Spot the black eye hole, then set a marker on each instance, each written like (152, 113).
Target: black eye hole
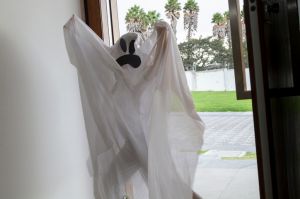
(123, 45)
(131, 59)
(131, 47)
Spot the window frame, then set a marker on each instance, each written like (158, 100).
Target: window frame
(237, 50)
(102, 17)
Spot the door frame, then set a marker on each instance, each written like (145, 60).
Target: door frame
(253, 18)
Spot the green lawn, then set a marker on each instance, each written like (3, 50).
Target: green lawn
(215, 101)
(247, 156)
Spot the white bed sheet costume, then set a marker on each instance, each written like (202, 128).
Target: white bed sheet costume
(141, 123)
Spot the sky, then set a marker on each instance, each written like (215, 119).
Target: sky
(207, 8)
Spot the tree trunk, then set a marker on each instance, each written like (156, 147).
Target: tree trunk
(189, 35)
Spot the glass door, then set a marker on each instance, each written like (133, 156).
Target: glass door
(275, 75)
(218, 75)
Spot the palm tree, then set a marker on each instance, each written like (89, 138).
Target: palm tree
(139, 21)
(191, 10)
(242, 15)
(148, 22)
(220, 27)
(135, 19)
(153, 17)
(218, 19)
(226, 15)
(172, 9)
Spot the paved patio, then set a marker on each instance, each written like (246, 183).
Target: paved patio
(227, 135)
(229, 131)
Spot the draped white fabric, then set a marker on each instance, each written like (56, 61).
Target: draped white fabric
(141, 123)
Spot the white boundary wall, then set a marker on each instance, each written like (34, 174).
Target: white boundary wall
(214, 80)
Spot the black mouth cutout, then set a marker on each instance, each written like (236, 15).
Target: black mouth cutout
(131, 59)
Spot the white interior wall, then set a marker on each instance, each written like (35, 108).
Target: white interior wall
(43, 145)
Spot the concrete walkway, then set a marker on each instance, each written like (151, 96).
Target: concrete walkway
(227, 135)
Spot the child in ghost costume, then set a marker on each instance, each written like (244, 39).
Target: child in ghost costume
(141, 124)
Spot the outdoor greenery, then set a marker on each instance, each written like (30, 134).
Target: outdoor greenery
(221, 28)
(200, 152)
(200, 53)
(247, 156)
(138, 20)
(205, 53)
(190, 10)
(219, 101)
(172, 10)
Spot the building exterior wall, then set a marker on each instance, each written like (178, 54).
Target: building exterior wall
(213, 80)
